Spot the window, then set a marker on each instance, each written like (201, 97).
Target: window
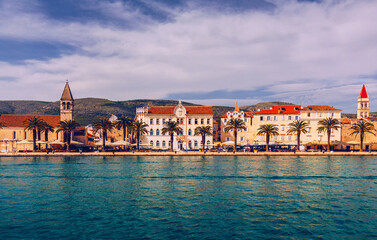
(151, 121)
(225, 120)
(158, 132)
(68, 106)
(319, 138)
(268, 118)
(332, 114)
(57, 135)
(275, 118)
(224, 129)
(366, 105)
(308, 114)
(14, 135)
(151, 132)
(282, 128)
(189, 121)
(296, 117)
(208, 142)
(245, 120)
(320, 114)
(208, 121)
(239, 130)
(196, 121)
(282, 137)
(163, 121)
(261, 118)
(157, 143)
(296, 109)
(190, 144)
(289, 118)
(151, 143)
(189, 132)
(227, 139)
(163, 143)
(242, 139)
(228, 114)
(202, 121)
(195, 143)
(157, 121)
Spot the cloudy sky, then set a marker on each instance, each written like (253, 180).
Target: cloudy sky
(211, 52)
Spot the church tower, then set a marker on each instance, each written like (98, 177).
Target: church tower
(363, 104)
(66, 104)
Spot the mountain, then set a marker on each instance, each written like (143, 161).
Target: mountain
(89, 110)
(263, 105)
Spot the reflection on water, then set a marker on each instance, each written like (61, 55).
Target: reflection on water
(211, 197)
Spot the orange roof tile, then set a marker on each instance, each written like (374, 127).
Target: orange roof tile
(345, 120)
(189, 110)
(11, 120)
(319, 108)
(281, 109)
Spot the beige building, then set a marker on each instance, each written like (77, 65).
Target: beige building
(189, 117)
(244, 137)
(312, 114)
(14, 137)
(280, 116)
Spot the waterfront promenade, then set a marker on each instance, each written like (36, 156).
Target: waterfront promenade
(182, 153)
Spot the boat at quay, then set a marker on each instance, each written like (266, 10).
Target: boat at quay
(196, 197)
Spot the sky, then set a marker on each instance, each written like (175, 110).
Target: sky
(210, 52)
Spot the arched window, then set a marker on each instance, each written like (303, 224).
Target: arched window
(169, 143)
(64, 106)
(190, 144)
(25, 135)
(158, 132)
(208, 142)
(163, 143)
(189, 132)
(151, 143)
(157, 143)
(14, 135)
(195, 143)
(68, 106)
(151, 132)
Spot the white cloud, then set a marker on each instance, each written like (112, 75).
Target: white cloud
(308, 52)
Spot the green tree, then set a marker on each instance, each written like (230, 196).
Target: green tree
(34, 124)
(235, 125)
(327, 125)
(139, 128)
(105, 125)
(362, 127)
(298, 127)
(124, 123)
(171, 127)
(268, 130)
(46, 129)
(67, 127)
(203, 131)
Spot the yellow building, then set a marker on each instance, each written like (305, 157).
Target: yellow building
(14, 137)
(244, 137)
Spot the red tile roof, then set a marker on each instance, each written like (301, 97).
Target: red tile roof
(363, 92)
(11, 120)
(319, 108)
(247, 114)
(189, 110)
(345, 120)
(281, 109)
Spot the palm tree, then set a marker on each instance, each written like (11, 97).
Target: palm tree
(67, 127)
(34, 124)
(139, 128)
(327, 125)
(124, 123)
(298, 127)
(171, 127)
(362, 127)
(203, 131)
(104, 125)
(268, 130)
(46, 129)
(235, 125)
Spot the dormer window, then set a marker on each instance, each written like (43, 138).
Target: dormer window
(296, 109)
(282, 109)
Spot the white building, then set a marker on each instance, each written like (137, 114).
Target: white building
(189, 117)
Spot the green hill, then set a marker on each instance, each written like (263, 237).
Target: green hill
(89, 110)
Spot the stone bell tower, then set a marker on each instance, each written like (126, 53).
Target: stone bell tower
(363, 104)
(66, 104)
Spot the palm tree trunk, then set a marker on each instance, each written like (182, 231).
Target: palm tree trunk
(171, 142)
(124, 133)
(69, 141)
(235, 140)
(328, 140)
(34, 139)
(361, 141)
(203, 142)
(298, 141)
(104, 135)
(267, 142)
(138, 141)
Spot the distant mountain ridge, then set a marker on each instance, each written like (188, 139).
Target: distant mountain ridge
(89, 110)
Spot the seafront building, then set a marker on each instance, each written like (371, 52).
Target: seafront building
(189, 117)
(14, 137)
(244, 136)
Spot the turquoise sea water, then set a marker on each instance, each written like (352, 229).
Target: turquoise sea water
(226, 197)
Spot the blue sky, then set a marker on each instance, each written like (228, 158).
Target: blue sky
(211, 52)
